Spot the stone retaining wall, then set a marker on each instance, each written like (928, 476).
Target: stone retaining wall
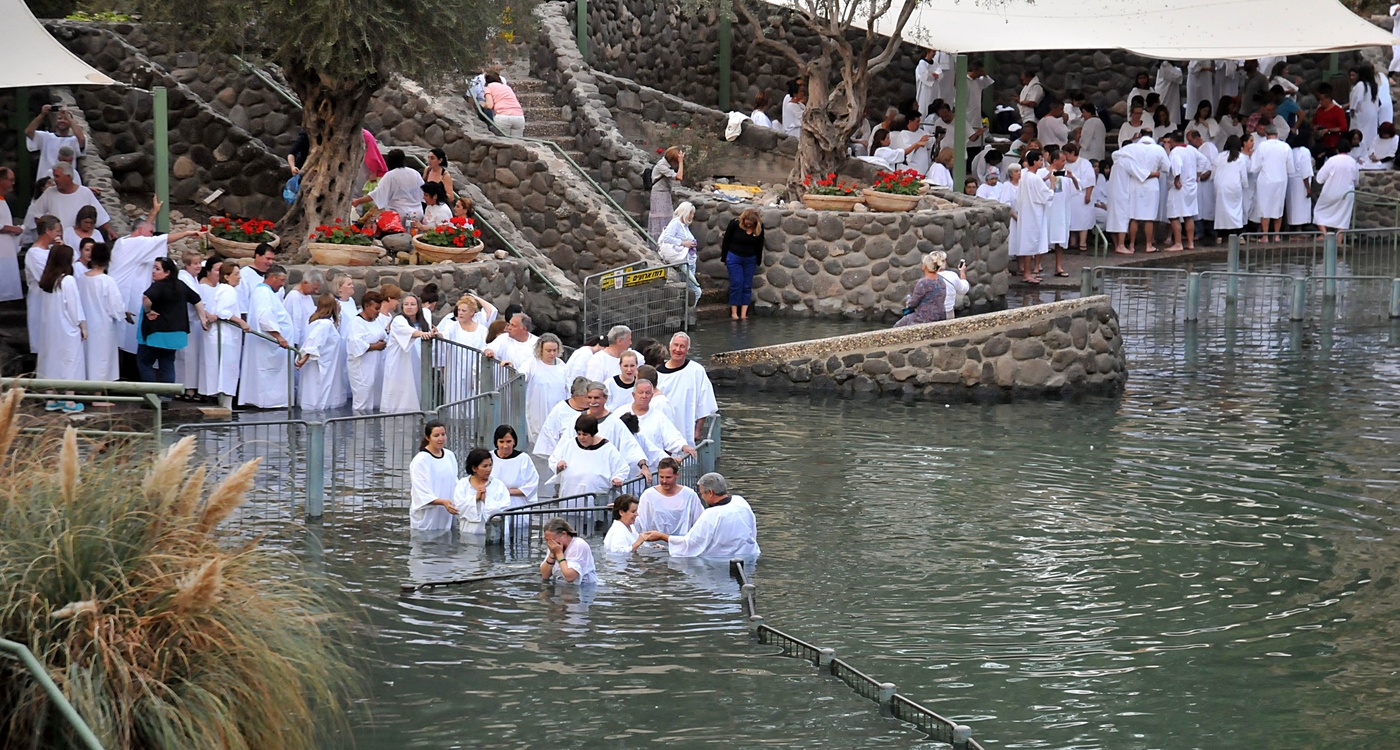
(1372, 214)
(1053, 350)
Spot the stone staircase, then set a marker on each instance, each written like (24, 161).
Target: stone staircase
(543, 118)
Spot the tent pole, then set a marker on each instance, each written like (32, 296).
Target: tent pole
(989, 64)
(159, 111)
(581, 30)
(1333, 64)
(960, 103)
(725, 62)
(24, 176)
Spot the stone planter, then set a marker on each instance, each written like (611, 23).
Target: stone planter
(890, 202)
(831, 202)
(233, 250)
(332, 254)
(436, 254)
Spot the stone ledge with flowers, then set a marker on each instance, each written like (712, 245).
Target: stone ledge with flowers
(895, 191)
(456, 241)
(343, 244)
(237, 237)
(830, 193)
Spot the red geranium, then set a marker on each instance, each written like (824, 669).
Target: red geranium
(828, 185)
(238, 229)
(343, 234)
(459, 231)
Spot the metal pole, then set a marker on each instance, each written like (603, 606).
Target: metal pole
(1329, 265)
(291, 381)
(46, 682)
(24, 169)
(582, 33)
(886, 694)
(427, 394)
(1193, 295)
(1232, 289)
(161, 117)
(960, 103)
(726, 39)
(154, 401)
(1395, 298)
(316, 469)
(1086, 282)
(1298, 308)
(962, 737)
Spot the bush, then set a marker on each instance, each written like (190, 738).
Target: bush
(161, 635)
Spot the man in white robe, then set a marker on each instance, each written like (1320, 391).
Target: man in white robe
(1169, 78)
(927, 80)
(653, 426)
(1188, 167)
(264, 381)
(1338, 176)
(561, 417)
(1033, 197)
(607, 362)
(1273, 162)
(1205, 188)
(1093, 136)
(251, 276)
(1031, 93)
(47, 143)
(64, 199)
(301, 303)
(1200, 86)
(793, 110)
(1120, 199)
(1149, 162)
(132, 256)
(10, 288)
(977, 82)
(687, 387)
(516, 345)
(725, 530)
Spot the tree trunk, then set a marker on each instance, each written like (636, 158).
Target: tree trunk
(830, 118)
(332, 115)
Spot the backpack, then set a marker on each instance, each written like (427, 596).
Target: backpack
(647, 177)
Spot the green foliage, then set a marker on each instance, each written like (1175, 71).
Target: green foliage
(101, 16)
(161, 635)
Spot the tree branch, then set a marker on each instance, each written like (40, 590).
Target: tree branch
(782, 48)
(905, 11)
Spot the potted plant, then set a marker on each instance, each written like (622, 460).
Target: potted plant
(237, 237)
(457, 241)
(894, 191)
(342, 244)
(829, 194)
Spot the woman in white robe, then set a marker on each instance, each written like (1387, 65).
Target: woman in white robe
(623, 537)
(403, 372)
(1338, 176)
(322, 360)
(479, 495)
(669, 507)
(1230, 173)
(1298, 200)
(223, 342)
(1205, 191)
(364, 353)
(587, 463)
(187, 360)
(1080, 193)
(515, 469)
(63, 327)
(620, 385)
(459, 367)
(546, 382)
(104, 308)
(1364, 107)
(433, 482)
(1227, 121)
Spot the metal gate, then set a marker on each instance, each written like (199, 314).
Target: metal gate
(653, 301)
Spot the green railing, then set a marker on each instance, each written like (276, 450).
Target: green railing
(557, 149)
(41, 675)
(98, 390)
(277, 88)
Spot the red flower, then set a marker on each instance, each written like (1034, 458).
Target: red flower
(460, 221)
(660, 150)
(442, 230)
(476, 232)
(459, 241)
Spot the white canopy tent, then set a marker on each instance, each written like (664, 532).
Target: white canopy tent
(30, 56)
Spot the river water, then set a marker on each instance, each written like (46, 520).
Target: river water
(1208, 561)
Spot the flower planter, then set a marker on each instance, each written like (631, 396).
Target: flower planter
(890, 202)
(332, 254)
(437, 254)
(232, 250)
(831, 202)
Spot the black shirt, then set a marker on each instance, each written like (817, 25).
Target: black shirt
(168, 300)
(741, 243)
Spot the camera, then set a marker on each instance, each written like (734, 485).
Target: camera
(1059, 173)
(939, 131)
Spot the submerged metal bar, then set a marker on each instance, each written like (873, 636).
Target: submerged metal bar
(41, 675)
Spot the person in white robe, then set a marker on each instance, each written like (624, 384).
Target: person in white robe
(1032, 201)
(1364, 106)
(36, 258)
(460, 367)
(669, 507)
(561, 417)
(1205, 187)
(1093, 135)
(1381, 155)
(1227, 78)
(187, 360)
(793, 109)
(479, 495)
(516, 345)
(64, 325)
(622, 538)
(1395, 28)
(620, 385)
(322, 360)
(1298, 203)
(914, 142)
(1187, 168)
(132, 257)
(1149, 163)
(223, 341)
(1057, 177)
(578, 361)
(265, 363)
(927, 80)
(1101, 200)
(1338, 176)
(607, 362)
(104, 309)
(1230, 173)
(364, 353)
(1119, 199)
(1168, 86)
(1272, 161)
(432, 482)
(516, 470)
(301, 303)
(569, 559)
(687, 388)
(654, 426)
(586, 463)
(10, 231)
(1081, 194)
(403, 357)
(725, 530)
(991, 188)
(1200, 83)
(546, 382)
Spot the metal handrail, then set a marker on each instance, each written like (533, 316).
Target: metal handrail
(99, 390)
(277, 88)
(26, 657)
(481, 113)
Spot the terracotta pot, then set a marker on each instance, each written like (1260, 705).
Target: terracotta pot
(230, 249)
(331, 254)
(831, 202)
(436, 254)
(889, 202)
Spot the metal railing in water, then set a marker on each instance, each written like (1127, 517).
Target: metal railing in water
(651, 300)
(1357, 252)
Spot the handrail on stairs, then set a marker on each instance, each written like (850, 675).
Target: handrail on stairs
(481, 114)
(277, 88)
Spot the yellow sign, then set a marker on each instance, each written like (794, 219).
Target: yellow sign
(636, 278)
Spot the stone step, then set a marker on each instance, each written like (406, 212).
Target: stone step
(712, 310)
(529, 99)
(528, 85)
(546, 130)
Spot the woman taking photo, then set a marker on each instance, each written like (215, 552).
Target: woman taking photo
(668, 172)
(478, 494)
(165, 323)
(623, 536)
(569, 558)
(742, 253)
(322, 360)
(403, 357)
(433, 480)
(927, 303)
(546, 383)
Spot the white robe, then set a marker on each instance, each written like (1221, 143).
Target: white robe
(559, 421)
(1081, 214)
(105, 311)
(517, 472)
(619, 394)
(366, 368)
(61, 357)
(1100, 204)
(34, 261)
(545, 387)
(1205, 190)
(459, 367)
(515, 352)
(690, 394)
(1057, 213)
(223, 345)
(628, 446)
(586, 470)
(472, 513)
(65, 207)
(669, 515)
(10, 288)
(403, 373)
(1092, 139)
(1200, 85)
(661, 438)
(1298, 204)
(1148, 157)
(1168, 87)
(1032, 201)
(1365, 114)
(299, 309)
(1227, 79)
(580, 559)
(1119, 195)
(1187, 164)
(620, 539)
(1231, 190)
(603, 365)
(926, 83)
(431, 479)
(578, 363)
(1338, 176)
(1273, 161)
(131, 269)
(723, 531)
(323, 376)
(264, 381)
(187, 359)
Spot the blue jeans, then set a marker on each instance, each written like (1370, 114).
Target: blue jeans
(148, 357)
(741, 271)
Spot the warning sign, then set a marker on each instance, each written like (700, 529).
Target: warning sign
(633, 278)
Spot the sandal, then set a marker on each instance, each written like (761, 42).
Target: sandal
(1062, 274)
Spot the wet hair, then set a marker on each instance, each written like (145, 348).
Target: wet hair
(622, 504)
(586, 424)
(580, 386)
(669, 463)
(101, 255)
(630, 420)
(648, 373)
(429, 295)
(558, 526)
(477, 457)
(428, 432)
(502, 431)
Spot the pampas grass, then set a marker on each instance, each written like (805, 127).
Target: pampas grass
(160, 634)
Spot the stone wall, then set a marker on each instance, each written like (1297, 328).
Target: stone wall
(1372, 214)
(1053, 350)
(861, 265)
